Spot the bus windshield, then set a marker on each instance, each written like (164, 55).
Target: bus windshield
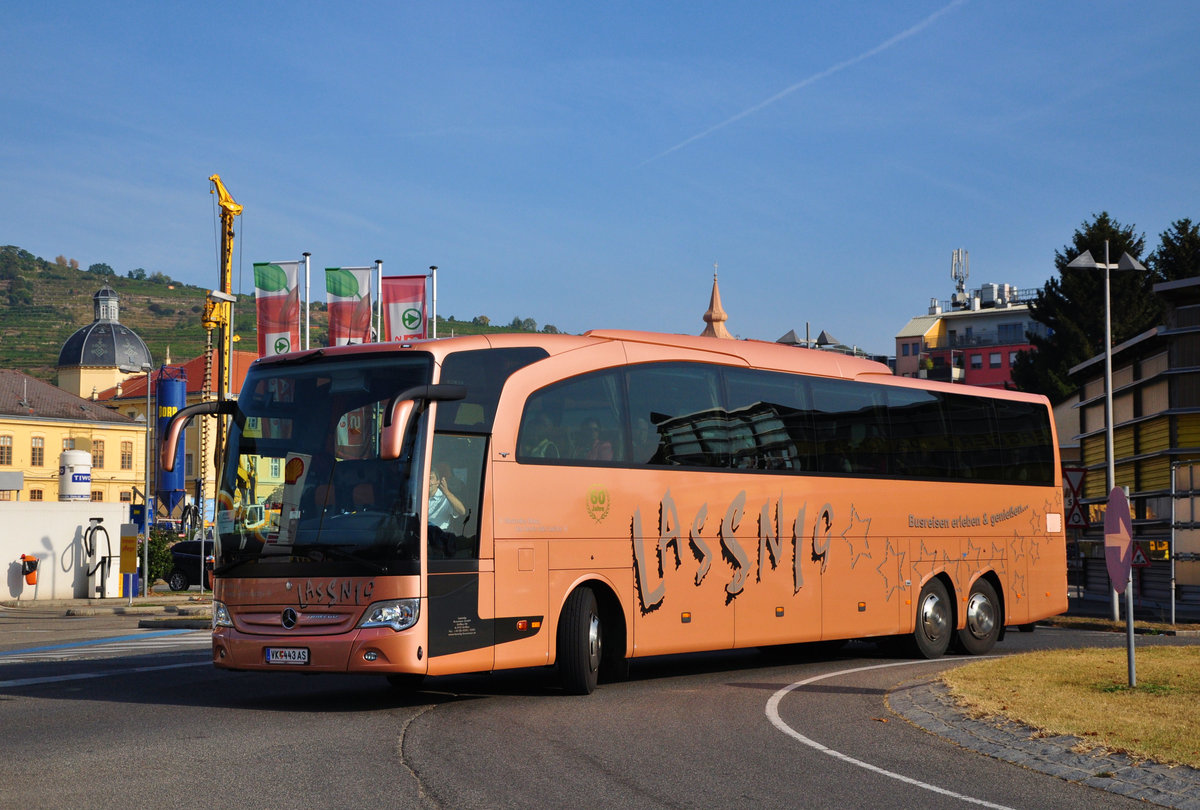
(304, 488)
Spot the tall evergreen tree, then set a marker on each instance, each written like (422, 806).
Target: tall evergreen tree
(1071, 307)
(1178, 252)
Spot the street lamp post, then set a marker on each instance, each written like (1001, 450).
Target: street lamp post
(149, 517)
(1126, 262)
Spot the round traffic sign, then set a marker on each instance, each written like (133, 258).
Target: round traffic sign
(1118, 539)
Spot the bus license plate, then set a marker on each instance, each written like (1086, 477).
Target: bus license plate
(287, 655)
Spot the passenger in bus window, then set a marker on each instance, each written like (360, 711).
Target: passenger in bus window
(645, 442)
(543, 445)
(595, 447)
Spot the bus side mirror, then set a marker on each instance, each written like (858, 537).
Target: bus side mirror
(170, 441)
(392, 438)
(396, 418)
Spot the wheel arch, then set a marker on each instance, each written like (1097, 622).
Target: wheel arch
(951, 593)
(612, 613)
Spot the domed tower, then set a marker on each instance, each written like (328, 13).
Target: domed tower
(100, 355)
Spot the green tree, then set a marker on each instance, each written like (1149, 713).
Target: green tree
(1178, 253)
(481, 320)
(137, 274)
(100, 269)
(1071, 308)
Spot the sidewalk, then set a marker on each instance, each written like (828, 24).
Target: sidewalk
(174, 610)
(1100, 607)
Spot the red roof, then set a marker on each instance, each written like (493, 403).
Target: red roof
(135, 387)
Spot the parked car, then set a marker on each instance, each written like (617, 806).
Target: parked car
(186, 555)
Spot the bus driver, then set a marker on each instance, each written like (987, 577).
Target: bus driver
(444, 505)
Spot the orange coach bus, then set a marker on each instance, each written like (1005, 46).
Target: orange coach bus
(490, 502)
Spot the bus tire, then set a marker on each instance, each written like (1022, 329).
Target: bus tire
(935, 620)
(982, 626)
(405, 681)
(580, 643)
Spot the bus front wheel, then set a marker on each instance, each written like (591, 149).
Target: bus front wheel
(983, 619)
(580, 643)
(935, 620)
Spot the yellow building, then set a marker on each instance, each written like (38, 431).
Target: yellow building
(39, 421)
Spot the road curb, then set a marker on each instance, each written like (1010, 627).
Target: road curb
(929, 705)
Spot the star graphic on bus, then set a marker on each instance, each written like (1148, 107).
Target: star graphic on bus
(977, 551)
(857, 523)
(1018, 547)
(895, 557)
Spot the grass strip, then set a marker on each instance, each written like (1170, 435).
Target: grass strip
(1085, 693)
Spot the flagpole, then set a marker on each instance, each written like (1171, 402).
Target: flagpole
(433, 272)
(307, 322)
(378, 300)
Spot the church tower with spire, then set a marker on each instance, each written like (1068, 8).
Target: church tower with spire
(715, 317)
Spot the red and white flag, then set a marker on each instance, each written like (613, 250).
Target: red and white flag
(348, 291)
(404, 307)
(277, 305)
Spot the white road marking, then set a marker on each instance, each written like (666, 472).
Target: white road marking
(171, 641)
(773, 715)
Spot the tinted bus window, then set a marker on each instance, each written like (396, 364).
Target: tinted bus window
(580, 420)
(769, 421)
(679, 406)
(920, 441)
(850, 424)
(1024, 434)
(972, 429)
(485, 372)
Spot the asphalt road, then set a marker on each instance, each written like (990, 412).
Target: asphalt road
(146, 720)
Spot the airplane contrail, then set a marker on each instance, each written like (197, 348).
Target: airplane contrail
(816, 77)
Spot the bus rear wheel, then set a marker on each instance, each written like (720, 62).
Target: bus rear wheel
(580, 643)
(935, 620)
(982, 627)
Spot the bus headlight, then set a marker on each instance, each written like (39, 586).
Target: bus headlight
(398, 614)
(220, 615)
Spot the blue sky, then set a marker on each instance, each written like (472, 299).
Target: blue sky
(586, 165)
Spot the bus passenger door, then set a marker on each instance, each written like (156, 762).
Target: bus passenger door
(461, 586)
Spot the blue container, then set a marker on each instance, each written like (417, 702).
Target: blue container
(172, 398)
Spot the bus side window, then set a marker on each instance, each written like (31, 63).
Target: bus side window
(580, 419)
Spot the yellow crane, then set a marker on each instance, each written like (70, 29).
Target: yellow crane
(218, 315)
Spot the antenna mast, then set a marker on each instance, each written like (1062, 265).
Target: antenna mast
(960, 268)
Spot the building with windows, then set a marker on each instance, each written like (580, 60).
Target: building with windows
(1156, 428)
(38, 421)
(973, 338)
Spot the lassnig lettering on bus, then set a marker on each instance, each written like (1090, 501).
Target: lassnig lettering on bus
(332, 592)
(770, 545)
(771, 530)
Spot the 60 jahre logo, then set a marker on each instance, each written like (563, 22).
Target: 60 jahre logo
(597, 503)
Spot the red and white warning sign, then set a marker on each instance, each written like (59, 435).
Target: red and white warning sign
(1072, 490)
(1140, 560)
